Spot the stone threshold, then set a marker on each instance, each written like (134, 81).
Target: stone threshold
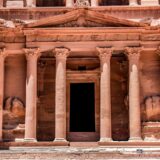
(111, 144)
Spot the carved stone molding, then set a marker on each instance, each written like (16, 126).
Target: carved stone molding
(133, 53)
(32, 53)
(105, 53)
(3, 53)
(82, 3)
(61, 52)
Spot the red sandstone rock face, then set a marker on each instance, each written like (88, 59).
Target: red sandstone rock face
(82, 44)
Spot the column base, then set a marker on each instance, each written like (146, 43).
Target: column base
(31, 5)
(25, 140)
(151, 139)
(30, 140)
(61, 142)
(133, 4)
(19, 140)
(70, 5)
(104, 141)
(135, 139)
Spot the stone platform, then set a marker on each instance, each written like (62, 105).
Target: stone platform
(78, 151)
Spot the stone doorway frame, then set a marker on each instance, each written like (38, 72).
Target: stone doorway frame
(84, 77)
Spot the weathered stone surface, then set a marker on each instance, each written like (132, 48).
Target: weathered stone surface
(76, 153)
(79, 30)
(150, 37)
(13, 119)
(151, 131)
(152, 109)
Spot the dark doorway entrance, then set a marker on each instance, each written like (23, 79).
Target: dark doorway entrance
(82, 107)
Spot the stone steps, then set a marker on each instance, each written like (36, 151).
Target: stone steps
(78, 153)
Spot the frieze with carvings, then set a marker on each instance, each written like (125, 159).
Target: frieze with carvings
(82, 3)
(81, 23)
(82, 37)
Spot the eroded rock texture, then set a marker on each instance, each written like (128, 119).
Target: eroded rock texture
(13, 118)
(152, 108)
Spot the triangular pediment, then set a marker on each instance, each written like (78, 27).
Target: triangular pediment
(84, 17)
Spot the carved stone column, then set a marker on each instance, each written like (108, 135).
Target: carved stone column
(30, 3)
(61, 55)
(94, 3)
(32, 56)
(3, 55)
(69, 3)
(1, 3)
(133, 2)
(133, 54)
(105, 94)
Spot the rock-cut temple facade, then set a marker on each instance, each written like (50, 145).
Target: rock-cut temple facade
(79, 71)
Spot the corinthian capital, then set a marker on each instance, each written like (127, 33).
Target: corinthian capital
(133, 53)
(3, 53)
(32, 53)
(61, 52)
(105, 53)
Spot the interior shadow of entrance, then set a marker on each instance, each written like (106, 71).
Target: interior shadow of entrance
(82, 107)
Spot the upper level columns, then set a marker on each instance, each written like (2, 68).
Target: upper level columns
(3, 55)
(133, 2)
(69, 3)
(105, 94)
(1, 3)
(61, 55)
(134, 93)
(94, 3)
(32, 56)
(30, 3)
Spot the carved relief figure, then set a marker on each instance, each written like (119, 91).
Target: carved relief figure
(152, 108)
(13, 118)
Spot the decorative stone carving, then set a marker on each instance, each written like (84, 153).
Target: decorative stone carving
(152, 109)
(15, 105)
(14, 113)
(133, 53)
(32, 53)
(61, 52)
(82, 3)
(105, 53)
(13, 119)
